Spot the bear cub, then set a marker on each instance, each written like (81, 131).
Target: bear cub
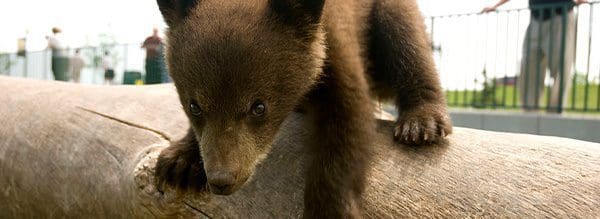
(242, 66)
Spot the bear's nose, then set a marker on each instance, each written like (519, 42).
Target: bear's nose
(221, 182)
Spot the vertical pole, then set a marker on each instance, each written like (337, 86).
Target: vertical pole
(505, 79)
(485, 41)
(525, 69)
(587, 71)
(97, 52)
(597, 85)
(456, 89)
(574, 72)
(10, 65)
(536, 95)
(495, 69)
(25, 66)
(45, 66)
(432, 44)
(519, 70)
(125, 60)
(562, 59)
(550, 61)
(465, 91)
(474, 93)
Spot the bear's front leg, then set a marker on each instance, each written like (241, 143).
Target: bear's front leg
(402, 61)
(422, 112)
(180, 166)
(342, 116)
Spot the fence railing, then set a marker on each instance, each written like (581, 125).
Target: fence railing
(126, 60)
(539, 58)
(510, 59)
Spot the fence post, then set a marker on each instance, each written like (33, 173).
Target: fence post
(573, 61)
(587, 74)
(505, 79)
(431, 32)
(25, 66)
(562, 60)
(45, 66)
(536, 96)
(125, 57)
(518, 64)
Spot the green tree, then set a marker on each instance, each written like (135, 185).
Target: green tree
(106, 42)
(5, 63)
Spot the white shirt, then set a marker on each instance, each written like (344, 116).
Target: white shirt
(56, 46)
(107, 62)
(77, 63)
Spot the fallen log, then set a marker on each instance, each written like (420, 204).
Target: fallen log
(71, 150)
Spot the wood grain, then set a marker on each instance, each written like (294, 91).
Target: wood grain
(88, 151)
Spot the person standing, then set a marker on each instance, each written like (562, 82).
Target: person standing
(549, 44)
(154, 58)
(60, 62)
(109, 70)
(77, 64)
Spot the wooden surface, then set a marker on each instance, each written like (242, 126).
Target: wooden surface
(78, 151)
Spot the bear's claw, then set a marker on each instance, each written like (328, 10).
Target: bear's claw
(424, 125)
(180, 169)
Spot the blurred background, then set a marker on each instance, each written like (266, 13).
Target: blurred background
(504, 70)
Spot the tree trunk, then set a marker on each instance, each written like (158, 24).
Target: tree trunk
(71, 150)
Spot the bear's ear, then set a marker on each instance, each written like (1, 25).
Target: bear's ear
(175, 10)
(302, 14)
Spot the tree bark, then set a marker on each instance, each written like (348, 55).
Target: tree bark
(71, 150)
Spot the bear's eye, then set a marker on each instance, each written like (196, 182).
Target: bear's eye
(258, 109)
(195, 109)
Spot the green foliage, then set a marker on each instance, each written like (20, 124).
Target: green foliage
(507, 97)
(106, 42)
(5, 63)
(486, 97)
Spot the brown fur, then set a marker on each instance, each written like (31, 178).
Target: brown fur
(327, 56)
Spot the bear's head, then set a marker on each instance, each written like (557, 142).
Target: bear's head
(240, 68)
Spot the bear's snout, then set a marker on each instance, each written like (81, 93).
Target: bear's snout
(221, 182)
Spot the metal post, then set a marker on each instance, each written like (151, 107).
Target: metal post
(45, 66)
(495, 69)
(550, 61)
(95, 71)
(456, 89)
(465, 91)
(525, 67)
(519, 68)
(587, 74)
(506, 60)
(125, 58)
(487, 16)
(10, 65)
(536, 95)
(574, 78)
(562, 60)
(25, 66)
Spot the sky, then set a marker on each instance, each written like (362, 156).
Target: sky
(129, 20)
(81, 21)
(468, 43)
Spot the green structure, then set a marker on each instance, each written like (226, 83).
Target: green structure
(60, 68)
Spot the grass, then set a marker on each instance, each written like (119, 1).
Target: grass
(507, 97)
